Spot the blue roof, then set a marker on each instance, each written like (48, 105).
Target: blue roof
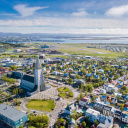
(106, 102)
(126, 97)
(125, 115)
(125, 109)
(120, 86)
(91, 104)
(96, 76)
(88, 75)
(103, 97)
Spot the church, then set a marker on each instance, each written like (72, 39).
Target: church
(33, 84)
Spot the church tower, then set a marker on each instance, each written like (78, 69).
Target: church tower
(39, 79)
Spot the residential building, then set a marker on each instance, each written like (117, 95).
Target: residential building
(103, 98)
(114, 100)
(92, 114)
(99, 106)
(69, 109)
(108, 87)
(108, 110)
(71, 123)
(124, 117)
(84, 101)
(107, 120)
(118, 114)
(100, 125)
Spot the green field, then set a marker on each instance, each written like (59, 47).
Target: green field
(41, 105)
(81, 49)
(64, 89)
(65, 93)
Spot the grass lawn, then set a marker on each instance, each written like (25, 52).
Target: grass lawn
(62, 95)
(66, 95)
(41, 105)
(64, 89)
(89, 51)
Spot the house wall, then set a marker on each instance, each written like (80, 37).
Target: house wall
(82, 103)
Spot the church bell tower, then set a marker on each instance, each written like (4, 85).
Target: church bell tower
(39, 79)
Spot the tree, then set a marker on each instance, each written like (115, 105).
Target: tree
(13, 67)
(81, 95)
(70, 81)
(121, 106)
(124, 87)
(96, 122)
(56, 126)
(78, 98)
(86, 93)
(84, 124)
(22, 127)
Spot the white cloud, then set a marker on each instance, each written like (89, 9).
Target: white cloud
(7, 14)
(78, 25)
(80, 13)
(77, 22)
(25, 11)
(118, 11)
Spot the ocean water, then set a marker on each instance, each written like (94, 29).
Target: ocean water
(53, 40)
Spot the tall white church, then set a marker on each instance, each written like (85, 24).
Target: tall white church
(34, 84)
(39, 79)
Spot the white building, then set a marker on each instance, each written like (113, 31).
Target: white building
(92, 114)
(34, 84)
(6, 60)
(108, 87)
(84, 101)
(103, 91)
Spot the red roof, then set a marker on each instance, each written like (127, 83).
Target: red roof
(113, 82)
(84, 100)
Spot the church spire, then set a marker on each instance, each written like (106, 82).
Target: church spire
(38, 64)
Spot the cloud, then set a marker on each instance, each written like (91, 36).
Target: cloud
(25, 11)
(80, 13)
(76, 22)
(118, 11)
(80, 25)
(7, 14)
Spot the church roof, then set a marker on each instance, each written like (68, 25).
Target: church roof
(28, 78)
(38, 64)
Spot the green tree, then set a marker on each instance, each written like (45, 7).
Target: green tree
(70, 81)
(121, 106)
(81, 95)
(96, 122)
(86, 93)
(13, 67)
(84, 124)
(21, 127)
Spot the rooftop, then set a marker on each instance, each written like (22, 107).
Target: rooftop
(28, 78)
(11, 112)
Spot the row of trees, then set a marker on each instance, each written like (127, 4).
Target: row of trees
(9, 80)
(39, 121)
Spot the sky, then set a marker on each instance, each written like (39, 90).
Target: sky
(64, 16)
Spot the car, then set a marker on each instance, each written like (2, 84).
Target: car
(34, 111)
(11, 100)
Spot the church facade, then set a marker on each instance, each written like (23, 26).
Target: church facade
(34, 84)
